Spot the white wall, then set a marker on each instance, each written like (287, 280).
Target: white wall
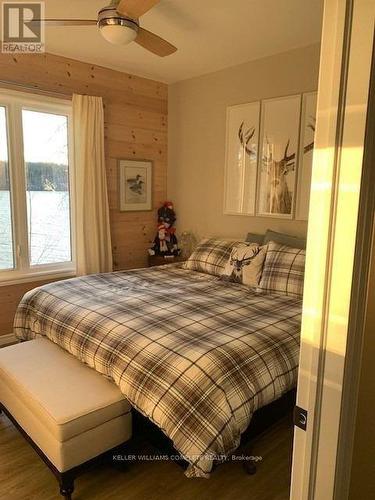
(197, 120)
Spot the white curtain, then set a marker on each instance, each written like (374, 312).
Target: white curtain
(93, 238)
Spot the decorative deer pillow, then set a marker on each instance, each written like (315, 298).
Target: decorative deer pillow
(284, 270)
(245, 264)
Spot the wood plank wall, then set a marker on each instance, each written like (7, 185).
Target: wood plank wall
(9, 299)
(135, 127)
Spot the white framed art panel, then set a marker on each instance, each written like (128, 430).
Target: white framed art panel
(135, 185)
(242, 138)
(279, 142)
(307, 134)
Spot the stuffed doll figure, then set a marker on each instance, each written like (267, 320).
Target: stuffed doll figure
(162, 235)
(165, 242)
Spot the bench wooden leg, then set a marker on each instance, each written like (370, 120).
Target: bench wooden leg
(249, 465)
(66, 486)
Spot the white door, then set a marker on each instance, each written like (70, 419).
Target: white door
(347, 44)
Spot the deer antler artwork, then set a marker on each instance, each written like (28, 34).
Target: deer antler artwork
(311, 125)
(278, 198)
(245, 137)
(288, 161)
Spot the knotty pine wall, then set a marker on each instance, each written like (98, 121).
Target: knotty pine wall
(135, 111)
(9, 299)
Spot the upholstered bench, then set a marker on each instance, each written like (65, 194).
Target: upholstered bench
(70, 413)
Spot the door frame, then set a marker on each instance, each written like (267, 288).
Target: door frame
(360, 305)
(346, 55)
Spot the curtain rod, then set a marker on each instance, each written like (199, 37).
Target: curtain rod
(22, 86)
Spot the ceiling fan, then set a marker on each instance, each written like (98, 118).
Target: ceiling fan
(119, 24)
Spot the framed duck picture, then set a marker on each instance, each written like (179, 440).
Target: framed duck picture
(135, 189)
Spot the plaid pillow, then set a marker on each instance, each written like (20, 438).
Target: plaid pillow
(283, 270)
(210, 256)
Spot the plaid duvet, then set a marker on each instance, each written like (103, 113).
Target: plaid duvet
(195, 354)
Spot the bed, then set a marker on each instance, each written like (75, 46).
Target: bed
(195, 354)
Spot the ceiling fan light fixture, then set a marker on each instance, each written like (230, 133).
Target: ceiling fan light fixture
(117, 34)
(116, 29)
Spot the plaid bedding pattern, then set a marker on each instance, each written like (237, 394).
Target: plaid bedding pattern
(194, 354)
(210, 256)
(283, 271)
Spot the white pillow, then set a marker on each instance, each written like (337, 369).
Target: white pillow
(245, 264)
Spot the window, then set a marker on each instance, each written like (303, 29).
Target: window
(35, 187)
(6, 238)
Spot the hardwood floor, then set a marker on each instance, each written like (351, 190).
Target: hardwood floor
(23, 476)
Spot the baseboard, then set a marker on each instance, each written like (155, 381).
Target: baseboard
(8, 339)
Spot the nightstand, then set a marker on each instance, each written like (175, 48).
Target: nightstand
(160, 260)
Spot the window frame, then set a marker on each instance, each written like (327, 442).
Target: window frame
(14, 103)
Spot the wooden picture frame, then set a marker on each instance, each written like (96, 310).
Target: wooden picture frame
(135, 185)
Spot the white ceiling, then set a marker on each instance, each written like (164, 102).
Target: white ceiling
(210, 34)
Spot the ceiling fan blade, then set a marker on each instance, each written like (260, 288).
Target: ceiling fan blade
(65, 22)
(135, 8)
(154, 43)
